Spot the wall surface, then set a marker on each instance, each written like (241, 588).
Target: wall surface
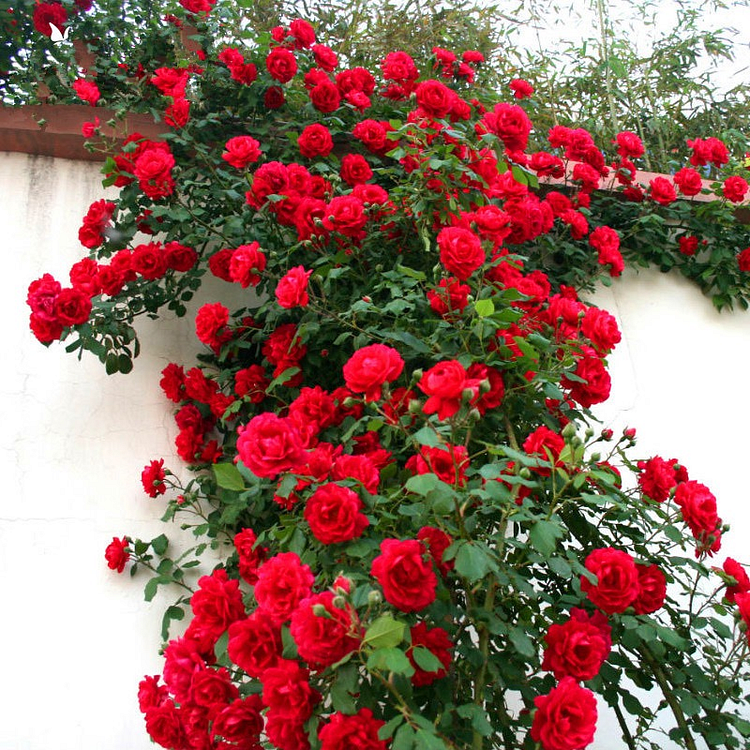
(78, 637)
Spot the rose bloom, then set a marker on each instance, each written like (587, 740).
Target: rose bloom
(164, 726)
(652, 589)
(601, 329)
(448, 465)
(255, 644)
(707, 150)
(360, 731)
(460, 251)
(662, 191)
(370, 367)
(734, 189)
(510, 123)
(334, 514)
(216, 604)
(699, 512)
(657, 478)
(246, 263)
(281, 64)
(578, 647)
(324, 639)
(355, 170)
(283, 582)
(617, 579)
(250, 556)
(287, 692)
(72, 307)
(117, 554)
(734, 569)
(87, 91)
(435, 98)
(408, 582)
(211, 325)
(596, 384)
(239, 723)
(325, 97)
(444, 385)
(152, 478)
(177, 114)
(325, 58)
(438, 642)
(743, 260)
(629, 145)
(346, 215)
(521, 89)
(274, 97)
(565, 718)
(688, 244)
(291, 291)
(241, 151)
(315, 140)
(688, 181)
(49, 13)
(546, 444)
(451, 296)
(269, 445)
(437, 542)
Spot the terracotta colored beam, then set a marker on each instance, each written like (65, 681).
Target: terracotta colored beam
(55, 129)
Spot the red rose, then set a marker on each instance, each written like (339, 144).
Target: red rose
(451, 296)
(315, 140)
(370, 367)
(287, 691)
(179, 257)
(652, 589)
(662, 191)
(325, 57)
(346, 215)
(595, 383)
(240, 723)
(355, 170)
(254, 644)
(688, 181)
(578, 647)
(408, 582)
(448, 465)
(216, 604)
(657, 478)
(303, 33)
(149, 260)
(274, 97)
(212, 689)
(601, 329)
(707, 150)
(688, 244)
(250, 556)
(164, 726)
(617, 579)
(49, 13)
(151, 693)
(438, 642)
(171, 81)
(72, 307)
(698, 506)
(291, 291)
(153, 170)
(251, 382)
(246, 264)
(285, 733)
(241, 151)
(735, 570)
(565, 718)
(281, 64)
(152, 478)
(117, 554)
(323, 639)
(359, 731)
(211, 325)
(399, 66)
(521, 89)
(437, 542)
(546, 444)
(460, 251)
(334, 514)
(444, 384)
(435, 99)
(743, 260)
(510, 123)
(269, 445)
(325, 97)
(734, 189)
(629, 145)
(283, 582)
(491, 388)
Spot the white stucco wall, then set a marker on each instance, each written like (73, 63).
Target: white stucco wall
(77, 638)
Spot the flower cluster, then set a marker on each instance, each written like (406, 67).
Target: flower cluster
(389, 440)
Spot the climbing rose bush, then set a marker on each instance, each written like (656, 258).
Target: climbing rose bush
(423, 540)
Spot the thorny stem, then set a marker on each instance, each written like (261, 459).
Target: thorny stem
(623, 725)
(484, 641)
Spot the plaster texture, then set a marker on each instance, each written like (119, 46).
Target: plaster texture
(78, 637)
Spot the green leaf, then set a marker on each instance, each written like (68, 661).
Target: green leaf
(544, 535)
(403, 739)
(423, 484)
(426, 660)
(427, 436)
(228, 477)
(484, 307)
(473, 561)
(385, 632)
(390, 660)
(344, 687)
(149, 591)
(521, 642)
(429, 740)
(478, 718)
(387, 730)
(160, 544)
